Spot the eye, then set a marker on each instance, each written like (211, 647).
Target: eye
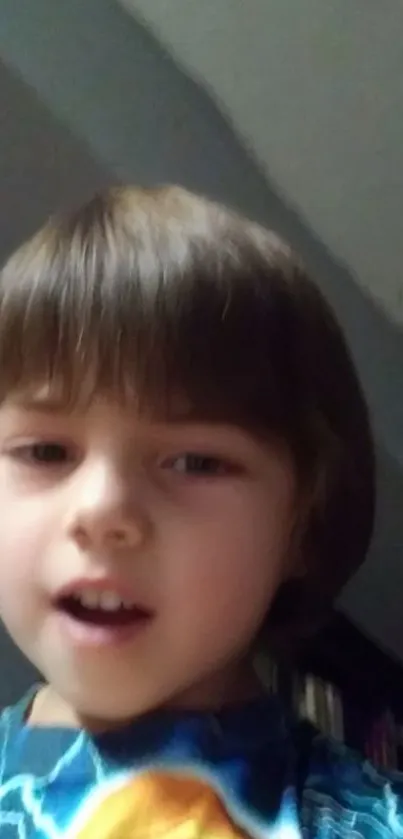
(46, 453)
(192, 463)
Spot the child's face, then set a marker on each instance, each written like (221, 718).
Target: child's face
(186, 524)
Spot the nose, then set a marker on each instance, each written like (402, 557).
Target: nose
(106, 510)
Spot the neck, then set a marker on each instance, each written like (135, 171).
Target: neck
(227, 687)
(230, 686)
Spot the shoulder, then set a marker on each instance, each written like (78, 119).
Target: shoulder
(343, 793)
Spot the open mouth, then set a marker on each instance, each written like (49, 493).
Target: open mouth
(112, 614)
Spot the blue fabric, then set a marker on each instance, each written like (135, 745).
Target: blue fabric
(244, 772)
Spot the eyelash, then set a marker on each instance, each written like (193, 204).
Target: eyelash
(26, 454)
(199, 464)
(203, 464)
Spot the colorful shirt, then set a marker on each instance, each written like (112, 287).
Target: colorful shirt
(245, 772)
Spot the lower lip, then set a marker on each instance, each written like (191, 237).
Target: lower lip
(94, 635)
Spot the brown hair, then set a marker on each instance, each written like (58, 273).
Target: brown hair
(155, 293)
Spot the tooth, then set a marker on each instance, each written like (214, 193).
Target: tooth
(89, 599)
(110, 601)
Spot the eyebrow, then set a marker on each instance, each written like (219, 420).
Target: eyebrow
(43, 404)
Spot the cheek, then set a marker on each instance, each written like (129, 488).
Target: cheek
(23, 532)
(229, 564)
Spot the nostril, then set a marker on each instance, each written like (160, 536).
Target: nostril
(115, 536)
(108, 531)
(118, 536)
(80, 536)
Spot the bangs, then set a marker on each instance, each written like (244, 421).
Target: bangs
(146, 312)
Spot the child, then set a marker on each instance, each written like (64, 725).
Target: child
(186, 470)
